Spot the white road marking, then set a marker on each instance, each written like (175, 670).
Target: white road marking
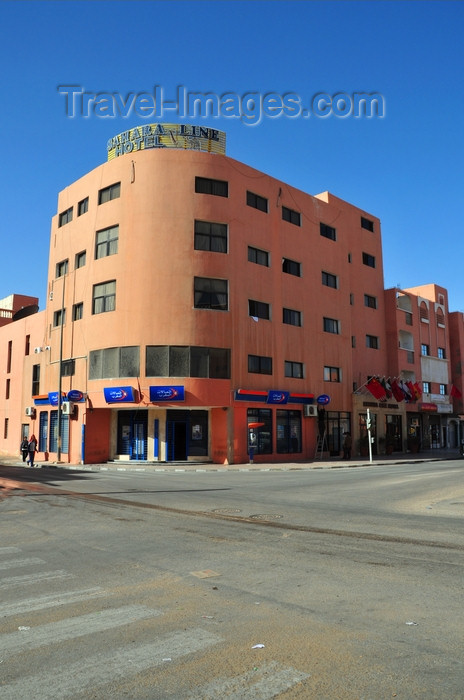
(109, 667)
(16, 563)
(50, 601)
(14, 581)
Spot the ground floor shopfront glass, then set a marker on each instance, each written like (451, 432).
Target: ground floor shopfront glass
(336, 423)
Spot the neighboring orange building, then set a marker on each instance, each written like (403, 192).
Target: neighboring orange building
(198, 307)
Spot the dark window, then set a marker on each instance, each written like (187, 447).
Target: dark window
(61, 268)
(259, 365)
(77, 311)
(180, 361)
(258, 309)
(35, 380)
(109, 193)
(291, 267)
(368, 260)
(329, 280)
(332, 374)
(113, 363)
(210, 294)
(294, 369)
(408, 318)
(210, 236)
(288, 431)
(328, 231)
(254, 200)
(426, 387)
(331, 325)
(83, 207)
(367, 224)
(260, 257)
(106, 242)
(104, 297)
(372, 342)
(292, 317)
(425, 349)
(65, 217)
(27, 348)
(204, 185)
(441, 354)
(293, 217)
(7, 388)
(260, 438)
(370, 301)
(59, 317)
(9, 356)
(68, 368)
(80, 259)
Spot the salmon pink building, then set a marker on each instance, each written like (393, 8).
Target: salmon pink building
(200, 310)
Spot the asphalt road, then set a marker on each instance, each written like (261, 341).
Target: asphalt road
(158, 586)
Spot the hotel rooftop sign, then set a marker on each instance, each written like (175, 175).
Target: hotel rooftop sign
(183, 136)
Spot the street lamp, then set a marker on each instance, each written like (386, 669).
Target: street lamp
(60, 374)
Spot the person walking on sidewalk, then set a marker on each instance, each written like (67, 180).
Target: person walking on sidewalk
(24, 448)
(32, 448)
(347, 442)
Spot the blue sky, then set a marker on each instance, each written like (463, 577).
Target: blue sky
(406, 168)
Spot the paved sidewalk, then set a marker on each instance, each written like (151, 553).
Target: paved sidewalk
(154, 467)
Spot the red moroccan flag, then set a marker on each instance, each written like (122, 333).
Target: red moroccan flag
(412, 391)
(376, 388)
(455, 392)
(397, 391)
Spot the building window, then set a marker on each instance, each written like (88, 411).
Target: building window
(210, 236)
(332, 374)
(367, 224)
(370, 301)
(351, 299)
(294, 369)
(425, 349)
(292, 317)
(372, 341)
(368, 260)
(328, 231)
(204, 185)
(331, 325)
(426, 387)
(59, 317)
(353, 341)
(104, 297)
(7, 388)
(259, 309)
(106, 242)
(408, 318)
(259, 365)
(80, 259)
(77, 311)
(288, 425)
(424, 312)
(293, 217)
(410, 357)
(440, 318)
(210, 294)
(254, 200)
(61, 268)
(113, 363)
(260, 438)
(260, 257)
(35, 380)
(109, 193)
(68, 368)
(27, 348)
(291, 267)
(329, 280)
(65, 217)
(5, 428)
(441, 354)
(443, 389)
(9, 356)
(172, 361)
(83, 207)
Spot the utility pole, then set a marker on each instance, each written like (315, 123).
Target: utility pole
(368, 426)
(60, 376)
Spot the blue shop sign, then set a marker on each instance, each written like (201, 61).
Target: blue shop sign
(75, 395)
(323, 399)
(278, 397)
(119, 394)
(167, 393)
(53, 398)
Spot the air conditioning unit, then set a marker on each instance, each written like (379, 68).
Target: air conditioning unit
(310, 411)
(30, 411)
(67, 408)
(37, 350)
